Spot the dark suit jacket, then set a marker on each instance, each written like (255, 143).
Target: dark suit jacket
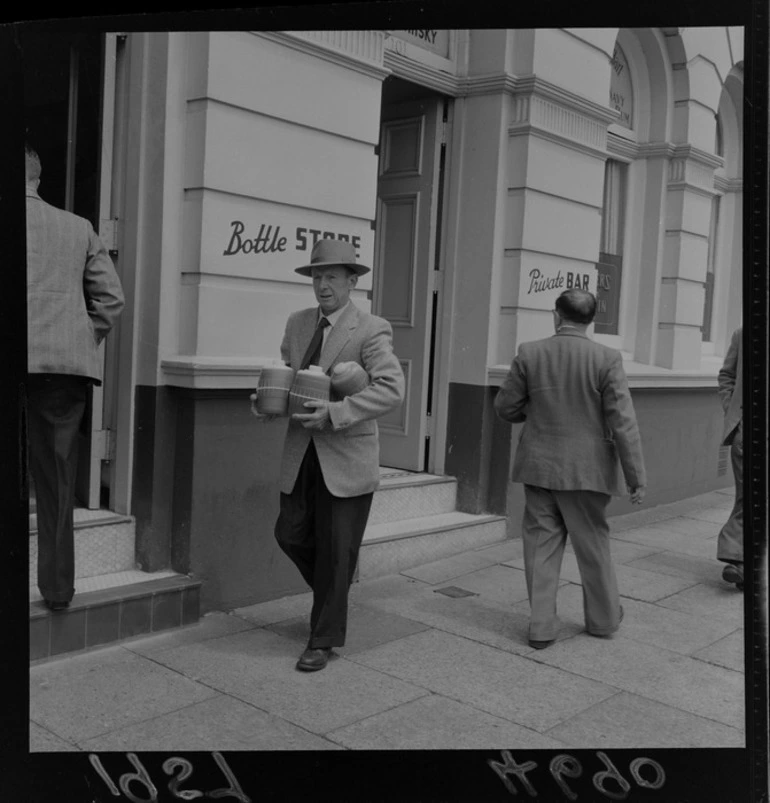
(73, 292)
(730, 381)
(580, 427)
(348, 450)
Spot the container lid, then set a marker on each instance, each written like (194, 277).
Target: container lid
(316, 369)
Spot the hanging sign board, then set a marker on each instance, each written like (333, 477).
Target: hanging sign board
(436, 41)
(607, 297)
(621, 91)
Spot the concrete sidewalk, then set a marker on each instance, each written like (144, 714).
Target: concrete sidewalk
(437, 657)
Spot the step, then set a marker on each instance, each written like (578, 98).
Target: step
(111, 608)
(408, 495)
(391, 547)
(104, 543)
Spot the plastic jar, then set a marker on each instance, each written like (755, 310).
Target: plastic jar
(275, 382)
(311, 384)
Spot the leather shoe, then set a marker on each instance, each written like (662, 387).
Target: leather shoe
(540, 645)
(55, 605)
(313, 659)
(733, 573)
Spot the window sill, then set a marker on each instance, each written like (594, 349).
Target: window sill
(644, 376)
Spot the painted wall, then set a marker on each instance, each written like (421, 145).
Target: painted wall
(226, 501)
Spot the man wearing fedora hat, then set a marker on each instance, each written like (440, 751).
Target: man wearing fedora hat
(330, 465)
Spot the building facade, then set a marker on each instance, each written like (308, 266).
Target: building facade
(480, 172)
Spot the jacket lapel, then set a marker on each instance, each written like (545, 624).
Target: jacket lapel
(339, 336)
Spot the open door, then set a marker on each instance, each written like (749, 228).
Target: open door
(68, 99)
(405, 252)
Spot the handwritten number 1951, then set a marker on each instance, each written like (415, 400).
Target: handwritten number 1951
(185, 768)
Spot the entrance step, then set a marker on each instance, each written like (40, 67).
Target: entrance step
(408, 495)
(111, 608)
(392, 546)
(104, 543)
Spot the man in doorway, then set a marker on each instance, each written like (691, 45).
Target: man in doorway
(330, 467)
(579, 434)
(74, 298)
(730, 380)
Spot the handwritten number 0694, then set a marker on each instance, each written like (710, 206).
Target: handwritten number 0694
(185, 768)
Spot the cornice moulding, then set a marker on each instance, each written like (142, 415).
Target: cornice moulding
(422, 74)
(332, 46)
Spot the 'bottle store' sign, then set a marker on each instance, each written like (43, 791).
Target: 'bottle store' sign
(267, 241)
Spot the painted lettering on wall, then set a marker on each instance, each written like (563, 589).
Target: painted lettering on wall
(540, 283)
(268, 239)
(621, 91)
(428, 36)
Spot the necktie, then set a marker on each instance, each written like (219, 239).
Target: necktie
(313, 353)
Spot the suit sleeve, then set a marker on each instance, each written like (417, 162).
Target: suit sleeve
(728, 372)
(620, 416)
(101, 287)
(385, 391)
(512, 398)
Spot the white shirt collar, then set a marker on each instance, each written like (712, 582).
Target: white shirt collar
(333, 317)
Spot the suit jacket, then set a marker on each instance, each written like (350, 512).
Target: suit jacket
(348, 451)
(730, 379)
(580, 428)
(73, 292)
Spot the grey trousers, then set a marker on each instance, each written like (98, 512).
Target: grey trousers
(730, 540)
(549, 516)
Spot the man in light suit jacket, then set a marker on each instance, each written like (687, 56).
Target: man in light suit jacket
(330, 466)
(74, 298)
(579, 440)
(730, 379)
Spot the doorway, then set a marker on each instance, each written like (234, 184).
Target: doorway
(64, 108)
(407, 264)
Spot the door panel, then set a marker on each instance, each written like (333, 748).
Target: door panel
(404, 256)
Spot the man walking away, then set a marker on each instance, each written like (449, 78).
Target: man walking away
(579, 439)
(74, 298)
(730, 379)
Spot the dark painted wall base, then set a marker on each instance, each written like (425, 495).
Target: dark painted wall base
(680, 428)
(222, 499)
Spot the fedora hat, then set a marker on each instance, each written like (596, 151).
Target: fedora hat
(333, 252)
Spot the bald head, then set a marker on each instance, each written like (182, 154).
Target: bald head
(576, 306)
(32, 166)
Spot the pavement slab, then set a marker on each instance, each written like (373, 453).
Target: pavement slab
(366, 629)
(713, 517)
(504, 583)
(606, 725)
(448, 568)
(436, 722)
(257, 667)
(43, 741)
(690, 526)
(679, 564)
(98, 692)
(728, 651)
(667, 677)
(476, 618)
(632, 582)
(511, 549)
(211, 625)
(669, 629)
(670, 541)
(277, 610)
(222, 722)
(715, 600)
(508, 686)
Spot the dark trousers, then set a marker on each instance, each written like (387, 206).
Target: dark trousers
(322, 534)
(55, 407)
(730, 540)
